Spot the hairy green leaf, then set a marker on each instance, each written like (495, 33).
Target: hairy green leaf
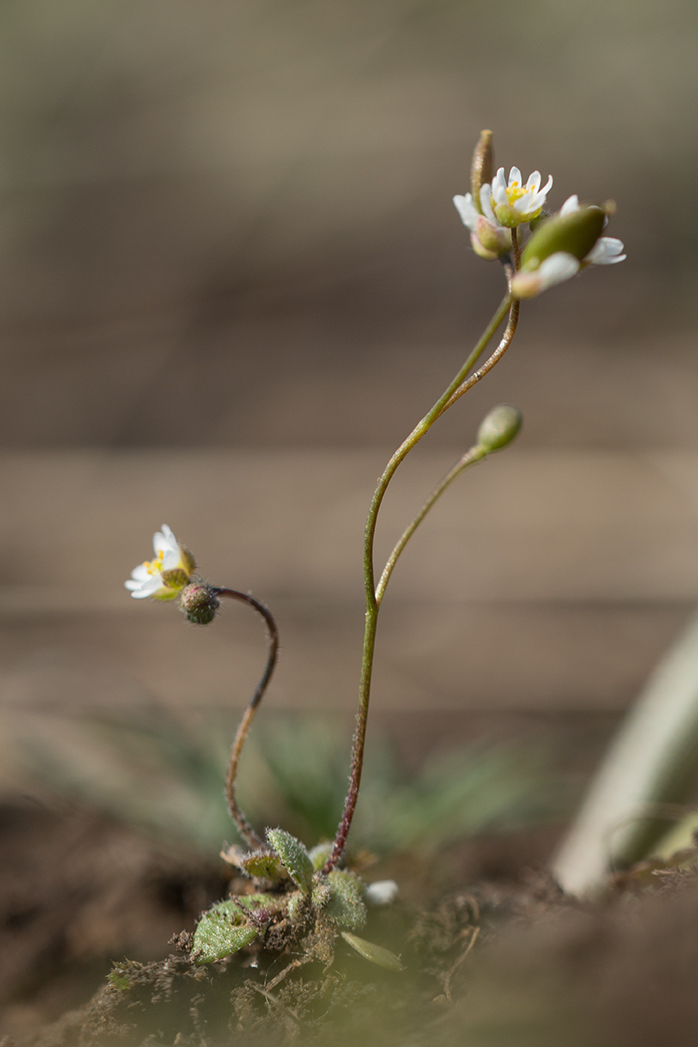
(225, 929)
(345, 905)
(262, 866)
(294, 857)
(217, 937)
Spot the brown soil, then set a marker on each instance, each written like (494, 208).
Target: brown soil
(77, 890)
(505, 964)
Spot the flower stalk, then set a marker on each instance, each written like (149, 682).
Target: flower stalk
(374, 594)
(244, 828)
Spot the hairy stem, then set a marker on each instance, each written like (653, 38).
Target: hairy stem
(496, 356)
(244, 828)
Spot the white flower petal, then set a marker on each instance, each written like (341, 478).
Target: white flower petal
(548, 185)
(606, 251)
(570, 205)
(153, 585)
(499, 187)
(171, 560)
(140, 573)
(164, 539)
(533, 182)
(499, 181)
(486, 203)
(514, 176)
(525, 205)
(467, 210)
(139, 591)
(536, 202)
(557, 268)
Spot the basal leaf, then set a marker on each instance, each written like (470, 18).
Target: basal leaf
(216, 937)
(294, 857)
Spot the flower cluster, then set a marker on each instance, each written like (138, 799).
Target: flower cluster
(562, 244)
(166, 576)
(501, 207)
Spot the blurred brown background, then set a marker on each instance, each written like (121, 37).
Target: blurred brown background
(231, 280)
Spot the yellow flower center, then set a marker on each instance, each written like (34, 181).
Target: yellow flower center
(155, 566)
(515, 191)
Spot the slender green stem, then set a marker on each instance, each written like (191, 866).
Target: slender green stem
(372, 602)
(420, 430)
(244, 828)
(475, 454)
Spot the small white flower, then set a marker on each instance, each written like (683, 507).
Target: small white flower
(164, 577)
(607, 250)
(382, 892)
(514, 202)
(554, 270)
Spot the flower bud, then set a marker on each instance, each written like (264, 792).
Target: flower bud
(499, 427)
(482, 166)
(572, 234)
(199, 602)
(480, 249)
(495, 240)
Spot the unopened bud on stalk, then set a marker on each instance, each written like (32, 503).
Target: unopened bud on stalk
(482, 166)
(499, 427)
(199, 602)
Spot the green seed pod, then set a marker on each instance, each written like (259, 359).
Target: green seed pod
(199, 602)
(499, 427)
(574, 234)
(482, 166)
